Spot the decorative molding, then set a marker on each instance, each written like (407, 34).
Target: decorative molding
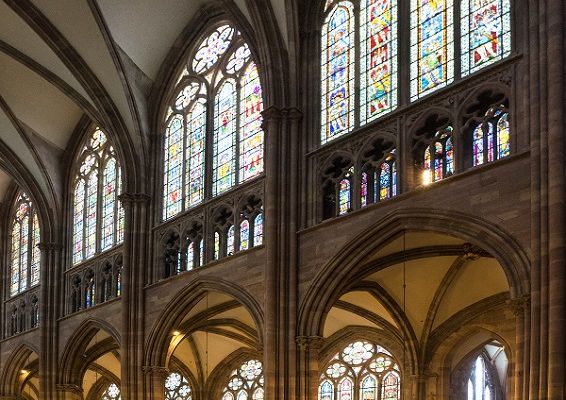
(519, 304)
(155, 370)
(127, 198)
(471, 252)
(305, 343)
(49, 246)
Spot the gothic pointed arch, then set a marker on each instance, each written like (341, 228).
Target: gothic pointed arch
(23, 358)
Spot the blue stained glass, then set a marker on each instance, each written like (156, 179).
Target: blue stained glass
(344, 196)
(258, 230)
(224, 148)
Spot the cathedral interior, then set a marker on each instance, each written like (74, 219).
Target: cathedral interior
(282, 199)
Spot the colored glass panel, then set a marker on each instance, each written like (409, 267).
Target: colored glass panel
(490, 146)
(224, 143)
(238, 59)
(173, 170)
(121, 211)
(385, 182)
(244, 235)
(344, 195)
(36, 252)
(78, 221)
(378, 79)
(15, 264)
(326, 391)
(177, 387)
(438, 172)
(449, 157)
(338, 72)
(390, 388)
(112, 393)
(364, 190)
(91, 214)
(201, 253)
(245, 382)
(486, 33)
(251, 134)
(258, 230)
(503, 136)
(108, 204)
(216, 245)
(195, 154)
(369, 389)
(432, 46)
(346, 389)
(478, 146)
(394, 179)
(230, 241)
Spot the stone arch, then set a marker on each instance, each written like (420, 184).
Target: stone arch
(10, 384)
(337, 276)
(157, 348)
(73, 364)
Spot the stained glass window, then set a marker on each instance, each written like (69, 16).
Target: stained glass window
(432, 46)
(338, 71)
(230, 241)
(368, 367)
(244, 235)
(491, 137)
(190, 256)
(258, 230)
(219, 96)
(344, 196)
(177, 387)
(245, 383)
(378, 21)
(111, 393)
(98, 215)
(364, 189)
(486, 33)
(25, 253)
(438, 157)
(216, 245)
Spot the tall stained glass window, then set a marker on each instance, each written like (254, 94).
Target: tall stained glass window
(432, 46)
(357, 44)
(479, 382)
(361, 371)
(219, 96)
(98, 216)
(245, 382)
(491, 137)
(486, 33)
(25, 253)
(177, 387)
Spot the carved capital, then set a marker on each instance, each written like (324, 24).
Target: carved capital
(129, 198)
(519, 304)
(69, 388)
(272, 114)
(309, 342)
(293, 113)
(49, 246)
(155, 370)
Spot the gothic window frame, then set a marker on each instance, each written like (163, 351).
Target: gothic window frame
(485, 131)
(211, 80)
(98, 149)
(29, 255)
(343, 367)
(109, 392)
(176, 392)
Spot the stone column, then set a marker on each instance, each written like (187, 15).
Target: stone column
(52, 279)
(272, 128)
(155, 382)
(308, 371)
(136, 244)
(520, 308)
(70, 392)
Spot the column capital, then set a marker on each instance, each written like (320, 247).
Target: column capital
(128, 198)
(49, 246)
(519, 304)
(155, 370)
(272, 113)
(309, 342)
(293, 113)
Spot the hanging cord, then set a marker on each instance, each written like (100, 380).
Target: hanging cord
(207, 294)
(404, 297)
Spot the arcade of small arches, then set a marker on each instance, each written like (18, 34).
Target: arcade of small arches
(368, 251)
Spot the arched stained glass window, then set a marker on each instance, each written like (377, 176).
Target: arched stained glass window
(491, 137)
(230, 241)
(245, 383)
(338, 71)
(177, 387)
(438, 157)
(98, 216)
(361, 371)
(218, 96)
(371, 28)
(486, 33)
(244, 235)
(344, 195)
(111, 393)
(258, 230)
(25, 253)
(432, 46)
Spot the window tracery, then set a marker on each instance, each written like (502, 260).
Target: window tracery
(98, 216)
(177, 387)
(361, 371)
(245, 382)
(491, 137)
(220, 80)
(480, 386)
(25, 253)
(111, 393)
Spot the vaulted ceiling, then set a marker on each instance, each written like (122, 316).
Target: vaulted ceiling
(66, 59)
